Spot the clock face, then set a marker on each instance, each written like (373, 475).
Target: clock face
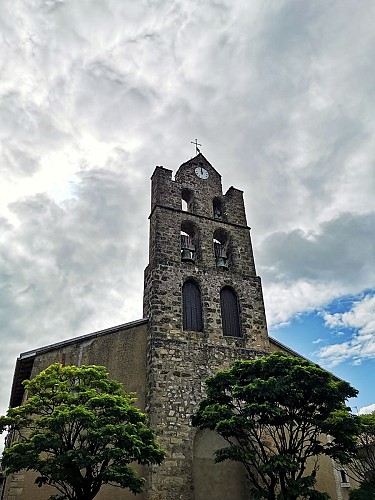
(201, 173)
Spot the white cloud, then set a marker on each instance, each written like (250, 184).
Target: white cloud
(289, 298)
(94, 94)
(367, 409)
(361, 319)
(72, 268)
(304, 270)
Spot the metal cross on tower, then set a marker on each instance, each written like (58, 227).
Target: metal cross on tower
(196, 145)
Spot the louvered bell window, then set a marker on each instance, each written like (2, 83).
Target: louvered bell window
(230, 315)
(192, 307)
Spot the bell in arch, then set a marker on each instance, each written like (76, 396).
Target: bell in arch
(187, 255)
(187, 248)
(221, 256)
(221, 262)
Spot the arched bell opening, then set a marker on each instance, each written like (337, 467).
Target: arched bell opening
(221, 245)
(189, 242)
(187, 200)
(218, 208)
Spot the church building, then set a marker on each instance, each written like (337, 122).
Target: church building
(202, 309)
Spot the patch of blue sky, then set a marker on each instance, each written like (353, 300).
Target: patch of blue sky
(302, 332)
(344, 304)
(307, 333)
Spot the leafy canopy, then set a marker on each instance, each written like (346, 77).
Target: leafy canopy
(362, 467)
(274, 412)
(79, 430)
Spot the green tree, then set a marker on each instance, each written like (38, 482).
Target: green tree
(79, 430)
(274, 413)
(362, 467)
(364, 492)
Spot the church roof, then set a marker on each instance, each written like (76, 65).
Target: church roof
(285, 348)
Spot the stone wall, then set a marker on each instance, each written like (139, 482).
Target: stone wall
(179, 361)
(179, 364)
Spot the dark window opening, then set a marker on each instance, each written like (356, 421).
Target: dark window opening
(344, 477)
(187, 200)
(230, 314)
(192, 307)
(218, 208)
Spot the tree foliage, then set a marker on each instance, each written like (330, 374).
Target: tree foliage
(79, 430)
(274, 413)
(362, 467)
(366, 491)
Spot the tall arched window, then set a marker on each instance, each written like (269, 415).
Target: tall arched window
(230, 313)
(192, 306)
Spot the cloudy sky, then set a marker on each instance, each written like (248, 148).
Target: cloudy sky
(279, 93)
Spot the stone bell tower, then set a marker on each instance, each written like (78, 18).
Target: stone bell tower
(204, 303)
